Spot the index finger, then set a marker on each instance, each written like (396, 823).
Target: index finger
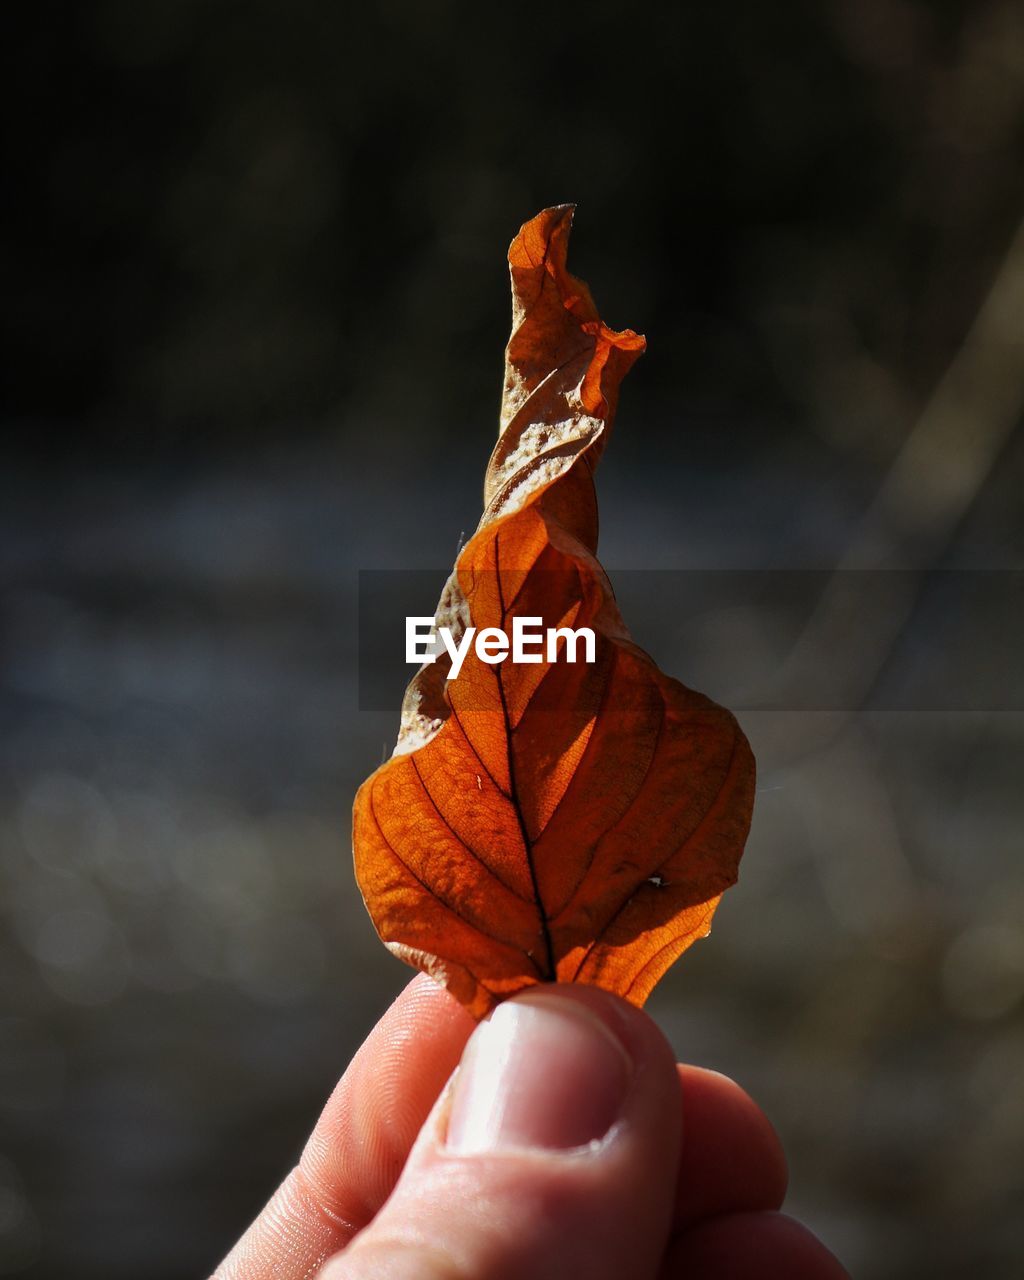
(360, 1143)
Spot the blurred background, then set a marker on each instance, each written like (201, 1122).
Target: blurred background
(254, 306)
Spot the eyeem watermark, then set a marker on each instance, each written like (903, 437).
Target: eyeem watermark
(748, 638)
(530, 642)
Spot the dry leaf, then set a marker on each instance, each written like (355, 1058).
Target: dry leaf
(550, 821)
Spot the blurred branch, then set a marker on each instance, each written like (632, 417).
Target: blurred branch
(927, 492)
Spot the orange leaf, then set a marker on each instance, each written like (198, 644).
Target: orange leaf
(550, 821)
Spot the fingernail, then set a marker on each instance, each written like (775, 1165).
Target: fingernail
(543, 1072)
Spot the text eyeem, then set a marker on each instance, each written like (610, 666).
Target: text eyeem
(530, 642)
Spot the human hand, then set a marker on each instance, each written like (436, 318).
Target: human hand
(569, 1144)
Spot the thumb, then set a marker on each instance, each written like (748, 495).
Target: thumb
(552, 1152)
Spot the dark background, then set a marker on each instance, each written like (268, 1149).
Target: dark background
(254, 303)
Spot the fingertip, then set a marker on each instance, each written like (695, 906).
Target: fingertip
(423, 995)
(360, 1143)
(732, 1158)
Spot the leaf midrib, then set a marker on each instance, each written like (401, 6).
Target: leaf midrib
(513, 790)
